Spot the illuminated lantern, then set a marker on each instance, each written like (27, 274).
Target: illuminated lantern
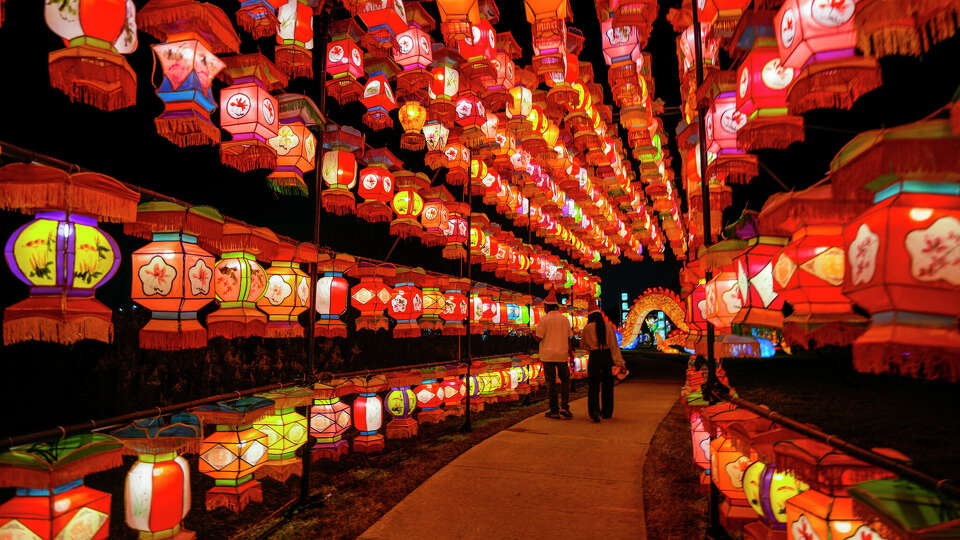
(173, 275)
(62, 255)
(368, 416)
(286, 432)
(430, 400)
(548, 21)
(384, 19)
(376, 185)
(51, 500)
(414, 52)
(435, 135)
(191, 33)
(457, 162)
(478, 49)
(294, 51)
(508, 50)
(470, 115)
(825, 510)
(620, 43)
(287, 292)
(455, 233)
(456, 17)
(900, 263)
(339, 168)
(817, 37)
(761, 99)
(762, 306)
(156, 494)
(723, 121)
(408, 204)
(249, 112)
(379, 100)
(295, 143)
(809, 272)
(686, 51)
(371, 296)
(259, 17)
(722, 299)
(92, 68)
(329, 419)
(767, 490)
(231, 454)
(443, 88)
(345, 64)
(400, 403)
(455, 306)
(435, 216)
(406, 302)
(725, 161)
(433, 304)
(239, 281)
(412, 116)
(332, 294)
(885, 29)
(454, 390)
(518, 107)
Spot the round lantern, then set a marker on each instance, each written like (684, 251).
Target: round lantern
(368, 418)
(435, 217)
(455, 233)
(329, 419)
(767, 491)
(457, 162)
(400, 403)
(454, 390)
(470, 116)
(407, 204)
(429, 400)
(339, 171)
(294, 51)
(157, 493)
(332, 291)
(412, 116)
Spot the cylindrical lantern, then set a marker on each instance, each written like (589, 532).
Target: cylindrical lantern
(240, 281)
(457, 162)
(379, 100)
(456, 232)
(443, 89)
(339, 168)
(400, 403)
(454, 313)
(332, 294)
(433, 304)
(368, 418)
(429, 400)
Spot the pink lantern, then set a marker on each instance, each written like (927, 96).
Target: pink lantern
(620, 43)
(762, 100)
(722, 123)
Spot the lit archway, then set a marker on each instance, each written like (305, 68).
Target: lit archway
(657, 299)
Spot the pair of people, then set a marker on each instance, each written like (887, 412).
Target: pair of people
(554, 333)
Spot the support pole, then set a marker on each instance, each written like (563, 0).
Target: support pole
(467, 427)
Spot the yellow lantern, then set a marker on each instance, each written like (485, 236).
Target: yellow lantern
(413, 116)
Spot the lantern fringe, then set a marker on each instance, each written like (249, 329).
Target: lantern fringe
(368, 444)
(402, 428)
(477, 405)
(454, 250)
(472, 137)
(834, 84)
(294, 60)
(737, 169)
(22, 477)
(406, 330)
(248, 155)
(374, 211)
(372, 322)
(889, 41)
(183, 131)
(405, 228)
(433, 238)
(789, 459)
(345, 89)
(331, 451)
(288, 185)
(777, 132)
(27, 187)
(57, 319)
(152, 17)
(937, 20)
(434, 159)
(160, 445)
(338, 201)
(330, 329)
(807, 335)
(457, 409)
(412, 141)
(164, 335)
(93, 76)
(453, 328)
(258, 28)
(456, 176)
(281, 472)
(433, 416)
(166, 221)
(932, 362)
(237, 322)
(234, 499)
(377, 120)
(283, 329)
(430, 324)
(441, 109)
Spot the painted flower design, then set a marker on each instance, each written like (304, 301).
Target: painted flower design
(417, 303)
(935, 251)
(735, 470)
(156, 277)
(399, 303)
(278, 290)
(864, 532)
(200, 276)
(862, 255)
(732, 300)
(802, 530)
(303, 291)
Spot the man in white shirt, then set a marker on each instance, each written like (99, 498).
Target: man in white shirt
(554, 333)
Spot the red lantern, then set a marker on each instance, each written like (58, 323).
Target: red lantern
(727, 161)
(259, 17)
(443, 88)
(429, 401)
(332, 291)
(384, 19)
(435, 216)
(295, 144)
(408, 204)
(294, 51)
(455, 306)
(470, 115)
(191, 32)
(818, 37)
(339, 169)
(413, 116)
(497, 90)
(240, 281)
(435, 136)
(433, 304)
(287, 294)
(368, 419)
(376, 185)
(722, 299)
(406, 302)
(548, 18)
(173, 276)
(456, 231)
(457, 16)
(92, 68)
(620, 43)
(371, 296)
(249, 112)
(762, 100)
(379, 100)
(762, 306)
(414, 52)
(345, 65)
(478, 50)
(329, 420)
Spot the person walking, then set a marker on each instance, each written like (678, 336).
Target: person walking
(554, 333)
(599, 337)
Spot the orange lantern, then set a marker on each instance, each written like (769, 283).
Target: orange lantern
(250, 113)
(456, 231)
(413, 116)
(379, 100)
(408, 204)
(384, 20)
(722, 299)
(240, 281)
(332, 294)
(295, 143)
(344, 62)
(435, 135)
(458, 162)
(478, 49)
(456, 17)
(92, 68)
(339, 169)
(433, 304)
(435, 216)
(444, 86)
(294, 51)
(455, 306)
(371, 296)
(376, 185)
(287, 293)
(762, 306)
(406, 302)
(259, 17)
(548, 18)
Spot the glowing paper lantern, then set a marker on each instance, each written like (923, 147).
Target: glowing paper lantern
(191, 34)
(332, 291)
(762, 99)
(414, 52)
(286, 432)
(400, 403)
(295, 143)
(408, 204)
(294, 51)
(250, 113)
(435, 216)
(767, 490)
(443, 88)
(455, 306)
(329, 419)
(412, 116)
(406, 302)
(384, 19)
(368, 416)
(430, 400)
(435, 136)
(339, 168)
(92, 68)
(379, 100)
(454, 391)
(173, 275)
(457, 162)
(722, 299)
(345, 66)
(62, 256)
(433, 304)
(240, 281)
(899, 508)
(287, 292)
(51, 500)
(456, 230)
(457, 16)
(231, 454)
(470, 115)
(761, 305)
(376, 185)
(371, 296)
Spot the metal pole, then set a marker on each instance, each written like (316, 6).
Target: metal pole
(467, 427)
(714, 530)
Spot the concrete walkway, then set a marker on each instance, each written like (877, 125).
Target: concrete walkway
(543, 478)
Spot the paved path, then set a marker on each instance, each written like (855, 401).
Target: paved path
(543, 478)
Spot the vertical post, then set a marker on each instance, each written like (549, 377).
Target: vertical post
(714, 530)
(467, 427)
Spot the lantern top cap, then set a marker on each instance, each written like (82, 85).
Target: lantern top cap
(236, 412)
(258, 241)
(285, 398)
(508, 44)
(157, 436)
(254, 65)
(31, 187)
(346, 29)
(46, 464)
(336, 262)
(382, 156)
(169, 20)
(754, 29)
(204, 222)
(418, 16)
(300, 107)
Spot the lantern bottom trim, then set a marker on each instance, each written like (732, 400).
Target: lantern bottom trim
(190, 126)
(287, 183)
(822, 330)
(374, 211)
(57, 319)
(406, 227)
(248, 155)
(407, 329)
(833, 84)
(330, 328)
(258, 27)
(173, 335)
(280, 469)
(283, 329)
(338, 201)
(234, 498)
(911, 351)
(402, 428)
(432, 416)
(344, 89)
(368, 444)
(453, 328)
(777, 132)
(433, 238)
(733, 517)
(759, 530)
(294, 60)
(372, 322)
(236, 322)
(734, 168)
(94, 76)
(332, 450)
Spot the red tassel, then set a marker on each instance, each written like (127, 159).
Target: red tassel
(927, 353)
(374, 211)
(372, 322)
(344, 89)
(430, 324)
(331, 451)
(406, 330)
(777, 132)
(261, 27)
(454, 250)
(454, 329)
(192, 129)
(338, 201)
(402, 428)
(283, 329)
(294, 60)
(442, 110)
(412, 141)
(279, 471)
(456, 176)
(433, 238)
(234, 498)
(248, 155)
(286, 183)
(434, 416)
(164, 335)
(368, 444)
(330, 329)
(57, 319)
(833, 84)
(405, 228)
(236, 322)
(94, 76)
(811, 336)
(377, 120)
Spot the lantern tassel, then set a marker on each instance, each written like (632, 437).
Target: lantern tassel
(166, 335)
(294, 60)
(405, 228)
(433, 238)
(406, 330)
(454, 250)
(283, 329)
(939, 23)
(402, 428)
(332, 451)
(344, 89)
(372, 322)
(909, 351)
(433, 416)
(834, 84)
(837, 334)
(288, 185)
(247, 155)
(58, 320)
(374, 211)
(456, 176)
(330, 328)
(777, 132)
(279, 470)
(338, 201)
(453, 328)
(236, 322)
(192, 129)
(234, 498)
(44, 478)
(94, 76)
(430, 324)
(412, 141)
(258, 27)
(368, 444)
(737, 168)
(27, 186)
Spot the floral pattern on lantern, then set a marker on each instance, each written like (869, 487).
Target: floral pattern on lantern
(377, 185)
(371, 296)
(379, 100)
(240, 281)
(249, 112)
(330, 418)
(406, 302)
(408, 204)
(287, 293)
(345, 66)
